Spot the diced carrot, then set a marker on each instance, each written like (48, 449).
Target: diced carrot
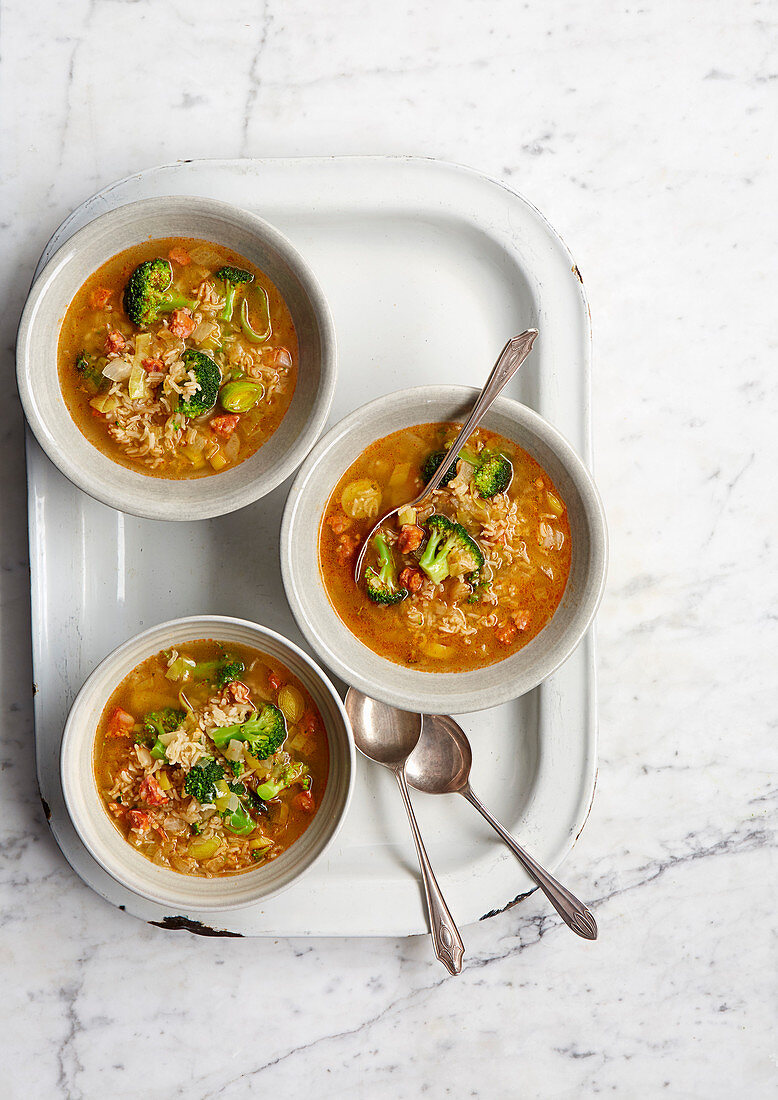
(411, 579)
(521, 619)
(100, 297)
(114, 342)
(303, 800)
(239, 692)
(182, 322)
(347, 546)
(275, 681)
(179, 256)
(410, 538)
(338, 522)
(139, 820)
(151, 793)
(120, 723)
(308, 723)
(224, 426)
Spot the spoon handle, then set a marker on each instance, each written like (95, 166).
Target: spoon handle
(509, 360)
(445, 934)
(572, 911)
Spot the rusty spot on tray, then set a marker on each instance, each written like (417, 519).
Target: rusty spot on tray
(46, 808)
(184, 924)
(510, 905)
(577, 274)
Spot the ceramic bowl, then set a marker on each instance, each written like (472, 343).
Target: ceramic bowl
(131, 490)
(182, 893)
(407, 688)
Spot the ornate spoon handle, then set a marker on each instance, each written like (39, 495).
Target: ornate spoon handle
(508, 362)
(510, 359)
(445, 934)
(572, 911)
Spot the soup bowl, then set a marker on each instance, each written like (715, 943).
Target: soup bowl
(180, 892)
(131, 490)
(409, 688)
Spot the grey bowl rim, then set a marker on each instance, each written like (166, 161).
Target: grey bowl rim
(70, 734)
(305, 440)
(436, 702)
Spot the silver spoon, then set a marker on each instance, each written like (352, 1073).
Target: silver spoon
(510, 359)
(440, 764)
(388, 736)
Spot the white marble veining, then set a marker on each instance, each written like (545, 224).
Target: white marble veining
(645, 134)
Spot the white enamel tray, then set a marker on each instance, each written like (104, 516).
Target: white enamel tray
(429, 268)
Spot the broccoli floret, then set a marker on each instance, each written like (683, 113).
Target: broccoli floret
(209, 378)
(224, 671)
(163, 721)
(296, 772)
(89, 372)
(480, 584)
(492, 472)
(431, 464)
(230, 672)
(238, 821)
(381, 586)
(158, 722)
(147, 293)
(233, 278)
(202, 779)
(264, 733)
(444, 538)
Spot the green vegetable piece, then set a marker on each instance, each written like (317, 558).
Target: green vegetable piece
(224, 671)
(209, 378)
(264, 733)
(158, 722)
(202, 779)
(239, 822)
(492, 472)
(239, 397)
(147, 293)
(382, 586)
(158, 750)
(233, 277)
(431, 465)
(296, 772)
(90, 372)
(444, 536)
(252, 336)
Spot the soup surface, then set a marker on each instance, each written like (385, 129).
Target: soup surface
(211, 758)
(467, 579)
(183, 380)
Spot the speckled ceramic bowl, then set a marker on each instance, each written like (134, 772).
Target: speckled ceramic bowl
(131, 490)
(182, 893)
(445, 692)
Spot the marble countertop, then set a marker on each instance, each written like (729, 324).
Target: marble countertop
(643, 133)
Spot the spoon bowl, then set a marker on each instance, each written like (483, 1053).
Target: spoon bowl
(440, 764)
(388, 736)
(382, 733)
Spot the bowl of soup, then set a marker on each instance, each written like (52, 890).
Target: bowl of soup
(176, 358)
(469, 600)
(207, 763)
